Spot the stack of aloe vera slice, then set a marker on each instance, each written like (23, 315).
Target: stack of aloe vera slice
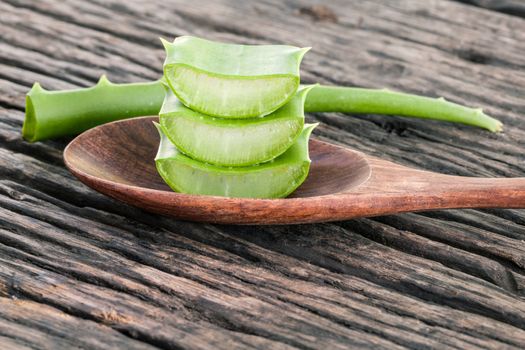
(232, 122)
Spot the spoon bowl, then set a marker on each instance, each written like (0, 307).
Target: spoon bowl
(117, 159)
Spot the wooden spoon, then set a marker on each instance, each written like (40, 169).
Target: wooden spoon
(117, 159)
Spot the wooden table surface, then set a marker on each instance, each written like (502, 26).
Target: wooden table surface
(78, 269)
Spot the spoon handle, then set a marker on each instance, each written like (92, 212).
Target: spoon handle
(421, 190)
(480, 192)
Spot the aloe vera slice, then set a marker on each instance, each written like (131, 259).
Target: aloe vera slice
(274, 179)
(232, 142)
(229, 80)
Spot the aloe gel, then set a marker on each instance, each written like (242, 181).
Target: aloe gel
(232, 142)
(274, 179)
(229, 80)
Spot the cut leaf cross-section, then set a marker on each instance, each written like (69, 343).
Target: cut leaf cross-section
(274, 179)
(233, 142)
(230, 80)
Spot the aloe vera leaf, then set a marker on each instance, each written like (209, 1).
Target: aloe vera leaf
(232, 142)
(51, 114)
(274, 179)
(353, 100)
(229, 80)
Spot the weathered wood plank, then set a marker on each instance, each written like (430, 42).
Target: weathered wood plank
(52, 259)
(451, 279)
(39, 326)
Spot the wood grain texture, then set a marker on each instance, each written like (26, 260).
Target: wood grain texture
(75, 264)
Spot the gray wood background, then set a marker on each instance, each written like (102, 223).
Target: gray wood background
(79, 270)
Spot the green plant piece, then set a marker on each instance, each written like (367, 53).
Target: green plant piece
(229, 80)
(51, 114)
(232, 142)
(274, 179)
(353, 100)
